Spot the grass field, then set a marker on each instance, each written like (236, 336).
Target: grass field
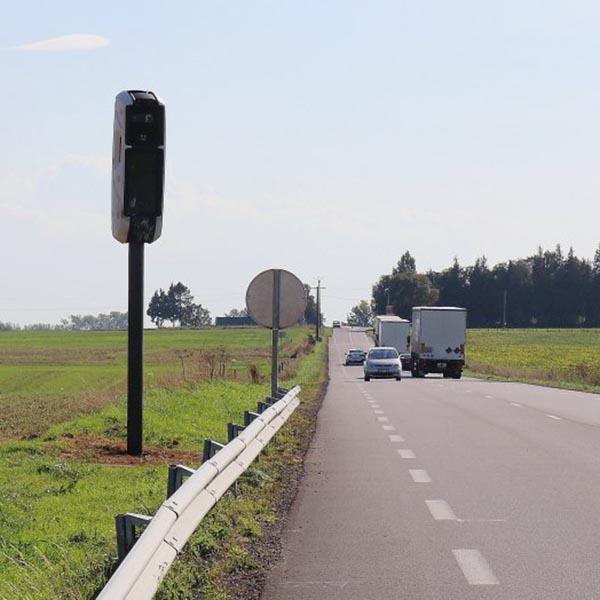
(560, 357)
(48, 377)
(63, 470)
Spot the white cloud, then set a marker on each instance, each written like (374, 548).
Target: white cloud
(75, 41)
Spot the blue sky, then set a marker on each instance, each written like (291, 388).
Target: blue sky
(323, 137)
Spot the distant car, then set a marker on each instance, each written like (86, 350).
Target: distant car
(383, 362)
(406, 361)
(336, 324)
(355, 356)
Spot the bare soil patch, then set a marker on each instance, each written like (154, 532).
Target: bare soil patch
(107, 451)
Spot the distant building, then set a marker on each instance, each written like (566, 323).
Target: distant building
(234, 321)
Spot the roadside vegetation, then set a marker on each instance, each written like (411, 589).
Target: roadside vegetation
(566, 358)
(64, 473)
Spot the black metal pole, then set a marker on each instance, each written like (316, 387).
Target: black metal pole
(275, 340)
(318, 326)
(135, 349)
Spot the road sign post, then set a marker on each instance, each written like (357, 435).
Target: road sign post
(275, 332)
(137, 206)
(276, 299)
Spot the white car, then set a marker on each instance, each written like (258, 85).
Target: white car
(383, 362)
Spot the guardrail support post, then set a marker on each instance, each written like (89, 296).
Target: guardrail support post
(175, 477)
(249, 416)
(126, 534)
(233, 430)
(262, 406)
(210, 449)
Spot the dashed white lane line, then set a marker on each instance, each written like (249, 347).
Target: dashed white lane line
(406, 453)
(388, 428)
(375, 406)
(420, 475)
(490, 397)
(378, 412)
(475, 568)
(396, 438)
(382, 419)
(554, 417)
(440, 510)
(517, 404)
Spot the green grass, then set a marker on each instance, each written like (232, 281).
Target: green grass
(48, 377)
(558, 357)
(59, 493)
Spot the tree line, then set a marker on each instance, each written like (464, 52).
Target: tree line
(547, 289)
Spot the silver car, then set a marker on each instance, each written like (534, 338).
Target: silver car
(383, 362)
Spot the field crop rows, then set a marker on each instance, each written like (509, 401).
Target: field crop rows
(560, 357)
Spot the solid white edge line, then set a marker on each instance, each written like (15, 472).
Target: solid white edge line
(475, 568)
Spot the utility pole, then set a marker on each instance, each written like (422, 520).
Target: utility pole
(318, 319)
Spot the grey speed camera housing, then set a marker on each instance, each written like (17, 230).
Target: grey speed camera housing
(138, 165)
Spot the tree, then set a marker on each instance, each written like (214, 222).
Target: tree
(406, 289)
(195, 316)
(234, 312)
(159, 309)
(310, 313)
(177, 306)
(180, 299)
(360, 315)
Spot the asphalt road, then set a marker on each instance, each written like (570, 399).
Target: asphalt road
(443, 489)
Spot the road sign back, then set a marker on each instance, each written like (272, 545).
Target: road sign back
(260, 296)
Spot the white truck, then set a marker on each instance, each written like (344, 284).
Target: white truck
(392, 331)
(437, 343)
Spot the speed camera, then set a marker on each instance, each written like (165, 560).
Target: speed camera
(138, 165)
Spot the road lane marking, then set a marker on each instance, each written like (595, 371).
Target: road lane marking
(490, 397)
(396, 438)
(375, 406)
(378, 412)
(440, 510)
(420, 475)
(406, 453)
(382, 419)
(475, 568)
(517, 404)
(554, 417)
(388, 428)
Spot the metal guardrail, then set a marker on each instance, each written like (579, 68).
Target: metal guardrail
(145, 565)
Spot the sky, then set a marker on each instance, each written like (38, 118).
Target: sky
(325, 137)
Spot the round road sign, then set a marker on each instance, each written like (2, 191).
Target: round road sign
(260, 296)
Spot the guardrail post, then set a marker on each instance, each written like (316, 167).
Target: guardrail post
(210, 449)
(262, 406)
(175, 477)
(249, 416)
(233, 430)
(126, 533)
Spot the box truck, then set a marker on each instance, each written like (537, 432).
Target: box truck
(392, 331)
(437, 343)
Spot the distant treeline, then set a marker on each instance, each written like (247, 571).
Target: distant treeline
(100, 322)
(547, 289)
